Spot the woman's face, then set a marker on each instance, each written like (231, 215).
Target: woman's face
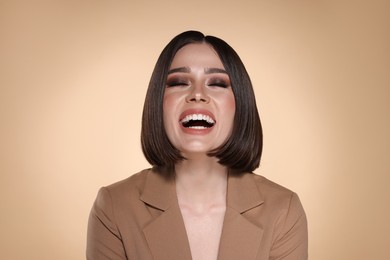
(199, 105)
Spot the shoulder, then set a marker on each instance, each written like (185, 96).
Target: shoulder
(284, 220)
(277, 196)
(124, 191)
(270, 189)
(133, 182)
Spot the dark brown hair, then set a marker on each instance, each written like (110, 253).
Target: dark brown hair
(242, 151)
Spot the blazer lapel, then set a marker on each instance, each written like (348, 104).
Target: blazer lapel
(240, 237)
(165, 234)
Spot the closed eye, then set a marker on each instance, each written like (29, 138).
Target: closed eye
(222, 85)
(177, 82)
(219, 83)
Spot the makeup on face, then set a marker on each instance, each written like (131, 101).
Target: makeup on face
(199, 104)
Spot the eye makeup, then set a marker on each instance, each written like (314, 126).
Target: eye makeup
(218, 82)
(177, 81)
(213, 77)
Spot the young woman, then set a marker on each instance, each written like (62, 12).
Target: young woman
(202, 133)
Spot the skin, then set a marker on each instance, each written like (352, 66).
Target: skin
(198, 85)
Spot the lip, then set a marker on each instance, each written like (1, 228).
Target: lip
(192, 130)
(196, 111)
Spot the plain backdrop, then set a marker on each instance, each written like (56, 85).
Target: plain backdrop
(73, 77)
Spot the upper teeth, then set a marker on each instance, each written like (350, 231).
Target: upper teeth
(188, 118)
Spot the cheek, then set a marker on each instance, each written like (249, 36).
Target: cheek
(168, 105)
(170, 110)
(172, 98)
(229, 112)
(229, 103)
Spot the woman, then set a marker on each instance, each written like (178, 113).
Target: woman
(202, 133)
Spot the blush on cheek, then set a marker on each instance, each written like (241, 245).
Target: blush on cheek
(170, 106)
(172, 96)
(168, 103)
(231, 105)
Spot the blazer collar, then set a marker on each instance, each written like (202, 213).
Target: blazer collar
(159, 190)
(241, 237)
(242, 192)
(166, 234)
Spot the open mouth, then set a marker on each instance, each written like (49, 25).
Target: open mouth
(197, 121)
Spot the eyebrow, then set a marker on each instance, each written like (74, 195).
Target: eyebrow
(214, 70)
(188, 70)
(181, 69)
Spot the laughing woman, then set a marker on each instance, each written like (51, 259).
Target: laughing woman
(202, 134)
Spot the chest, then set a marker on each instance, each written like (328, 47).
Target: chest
(204, 232)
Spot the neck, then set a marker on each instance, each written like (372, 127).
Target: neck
(201, 182)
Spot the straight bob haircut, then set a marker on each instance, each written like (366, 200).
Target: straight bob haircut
(242, 151)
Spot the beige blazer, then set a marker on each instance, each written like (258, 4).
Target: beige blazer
(139, 219)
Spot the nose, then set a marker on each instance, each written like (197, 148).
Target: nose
(197, 95)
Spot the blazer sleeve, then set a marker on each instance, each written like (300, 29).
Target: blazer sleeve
(292, 240)
(103, 238)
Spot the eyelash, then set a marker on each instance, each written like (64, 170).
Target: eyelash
(218, 83)
(211, 83)
(176, 83)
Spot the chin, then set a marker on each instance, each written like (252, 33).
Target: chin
(195, 152)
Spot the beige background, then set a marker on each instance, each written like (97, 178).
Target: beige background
(73, 76)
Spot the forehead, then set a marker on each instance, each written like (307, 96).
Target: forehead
(196, 55)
